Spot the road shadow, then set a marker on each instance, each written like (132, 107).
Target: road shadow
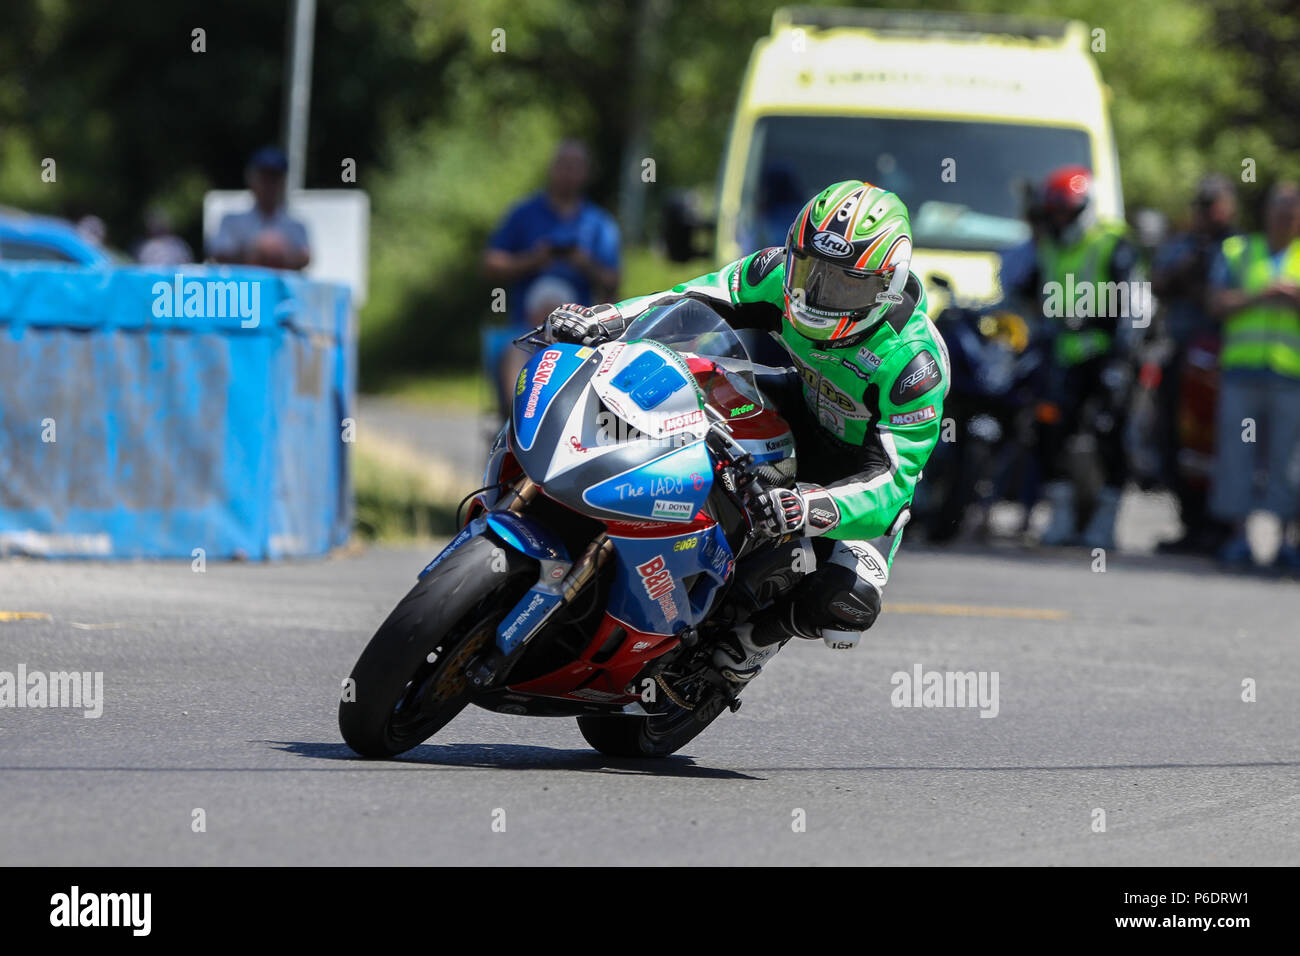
(514, 757)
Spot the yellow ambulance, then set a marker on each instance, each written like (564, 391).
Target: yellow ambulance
(954, 112)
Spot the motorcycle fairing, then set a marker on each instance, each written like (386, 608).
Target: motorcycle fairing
(471, 530)
(672, 487)
(600, 676)
(580, 443)
(530, 538)
(540, 381)
(666, 584)
(650, 387)
(527, 537)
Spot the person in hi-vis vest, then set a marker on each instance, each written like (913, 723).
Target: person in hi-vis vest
(1080, 262)
(1255, 285)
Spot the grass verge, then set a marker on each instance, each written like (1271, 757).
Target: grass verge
(402, 496)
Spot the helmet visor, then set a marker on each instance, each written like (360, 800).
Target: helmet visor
(822, 286)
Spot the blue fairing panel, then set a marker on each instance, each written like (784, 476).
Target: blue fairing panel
(527, 536)
(526, 617)
(474, 528)
(673, 487)
(539, 383)
(650, 591)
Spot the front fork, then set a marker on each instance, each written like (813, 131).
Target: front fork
(522, 624)
(559, 580)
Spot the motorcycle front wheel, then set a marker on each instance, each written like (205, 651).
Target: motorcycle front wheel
(410, 681)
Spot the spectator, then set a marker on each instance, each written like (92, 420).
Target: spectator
(93, 230)
(1087, 379)
(1179, 279)
(265, 235)
(161, 246)
(1255, 292)
(544, 296)
(559, 233)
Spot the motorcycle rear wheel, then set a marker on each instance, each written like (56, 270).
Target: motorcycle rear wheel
(628, 735)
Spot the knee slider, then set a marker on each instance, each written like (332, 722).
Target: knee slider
(856, 609)
(836, 598)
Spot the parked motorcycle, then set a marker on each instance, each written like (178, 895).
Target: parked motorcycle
(985, 455)
(607, 551)
(1171, 432)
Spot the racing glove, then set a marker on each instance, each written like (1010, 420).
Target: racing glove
(805, 509)
(584, 325)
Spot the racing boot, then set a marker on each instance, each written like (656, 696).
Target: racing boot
(739, 657)
(1100, 532)
(1060, 529)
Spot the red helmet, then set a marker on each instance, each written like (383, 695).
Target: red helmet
(1067, 192)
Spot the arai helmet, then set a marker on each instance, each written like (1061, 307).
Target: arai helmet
(847, 258)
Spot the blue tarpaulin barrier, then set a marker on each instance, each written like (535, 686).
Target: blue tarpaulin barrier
(153, 412)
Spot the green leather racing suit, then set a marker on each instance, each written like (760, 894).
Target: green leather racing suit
(870, 415)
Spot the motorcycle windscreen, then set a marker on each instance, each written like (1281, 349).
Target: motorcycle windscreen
(714, 356)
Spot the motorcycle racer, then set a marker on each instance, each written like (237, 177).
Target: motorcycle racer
(874, 373)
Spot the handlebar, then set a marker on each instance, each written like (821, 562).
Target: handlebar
(535, 338)
(735, 463)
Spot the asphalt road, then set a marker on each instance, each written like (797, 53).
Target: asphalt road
(220, 689)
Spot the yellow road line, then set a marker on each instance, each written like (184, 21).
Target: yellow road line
(23, 616)
(973, 610)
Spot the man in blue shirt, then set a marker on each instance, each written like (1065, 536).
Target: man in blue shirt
(554, 233)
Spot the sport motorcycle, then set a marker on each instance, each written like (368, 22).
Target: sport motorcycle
(997, 366)
(607, 551)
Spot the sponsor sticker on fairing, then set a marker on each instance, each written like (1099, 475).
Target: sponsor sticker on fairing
(912, 418)
(670, 509)
(543, 375)
(611, 356)
(659, 585)
(675, 423)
